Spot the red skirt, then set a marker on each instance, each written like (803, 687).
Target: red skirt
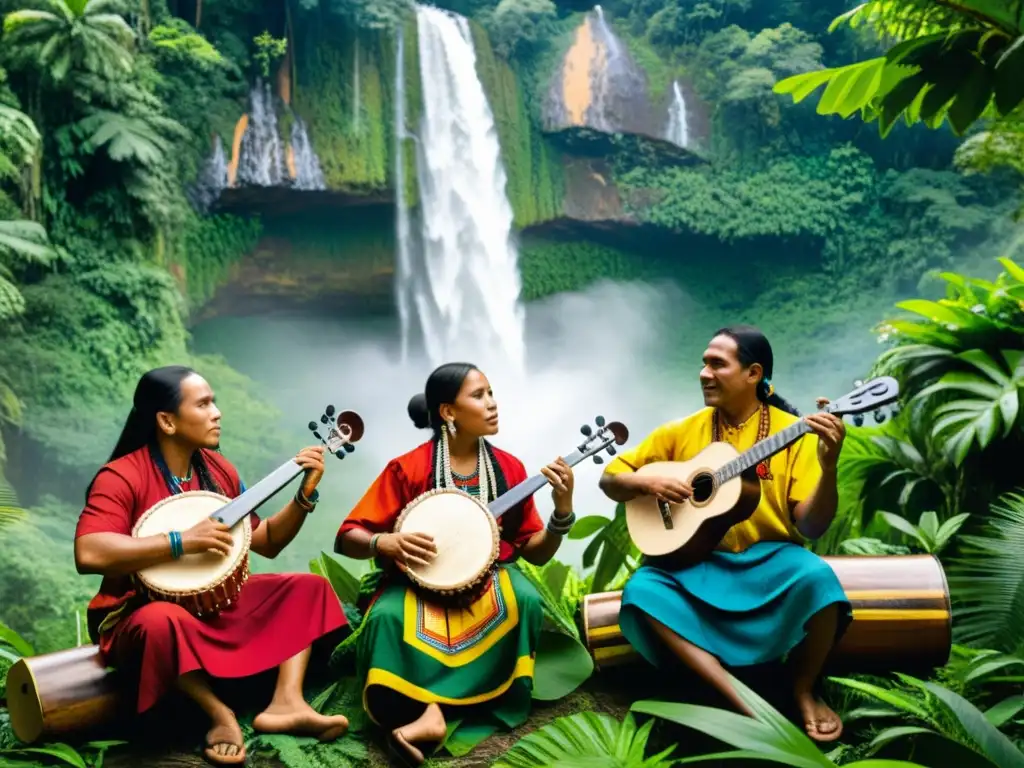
(275, 617)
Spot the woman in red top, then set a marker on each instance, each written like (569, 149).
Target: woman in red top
(168, 446)
(415, 655)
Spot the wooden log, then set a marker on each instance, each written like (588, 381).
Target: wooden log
(60, 693)
(902, 619)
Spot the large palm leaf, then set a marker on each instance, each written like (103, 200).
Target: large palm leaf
(985, 400)
(64, 36)
(19, 140)
(951, 61)
(987, 580)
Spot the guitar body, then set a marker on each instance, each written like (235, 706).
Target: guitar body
(700, 522)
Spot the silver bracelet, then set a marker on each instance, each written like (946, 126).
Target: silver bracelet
(561, 527)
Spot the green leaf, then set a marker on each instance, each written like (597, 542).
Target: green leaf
(563, 665)
(993, 744)
(346, 586)
(466, 737)
(16, 641)
(588, 526)
(1009, 77)
(59, 750)
(1009, 707)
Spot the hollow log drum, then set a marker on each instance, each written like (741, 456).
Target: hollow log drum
(59, 693)
(902, 619)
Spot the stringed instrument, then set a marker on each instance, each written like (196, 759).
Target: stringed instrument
(465, 530)
(726, 488)
(207, 582)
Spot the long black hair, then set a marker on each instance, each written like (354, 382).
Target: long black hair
(443, 385)
(159, 390)
(752, 347)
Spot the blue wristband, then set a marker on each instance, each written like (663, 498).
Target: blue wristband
(177, 550)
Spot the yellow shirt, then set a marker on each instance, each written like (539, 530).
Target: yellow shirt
(795, 470)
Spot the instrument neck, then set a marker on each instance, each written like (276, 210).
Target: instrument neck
(253, 498)
(524, 490)
(761, 451)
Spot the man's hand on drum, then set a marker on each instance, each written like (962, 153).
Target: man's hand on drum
(312, 460)
(207, 536)
(408, 548)
(559, 474)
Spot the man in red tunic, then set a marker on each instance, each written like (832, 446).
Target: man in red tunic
(168, 446)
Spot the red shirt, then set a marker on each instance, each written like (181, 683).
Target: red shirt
(123, 490)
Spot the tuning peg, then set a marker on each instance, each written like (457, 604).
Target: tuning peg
(879, 416)
(349, 448)
(329, 410)
(611, 450)
(858, 419)
(894, 409)
(340, 454)
(323, 418)
(598, 460)
(317, 435)
(599, 421)
(312, 426)
(586, 430)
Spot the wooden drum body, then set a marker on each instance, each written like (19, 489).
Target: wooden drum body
(201, 582)
(61, 693)
(902, 619)
(465, 533)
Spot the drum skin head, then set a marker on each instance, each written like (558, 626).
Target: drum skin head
(464, 531)
(195, 571)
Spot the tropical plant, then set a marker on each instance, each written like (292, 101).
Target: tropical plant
(928, 535)
(987, 579)
(10, 510)
(611, 549)
(941, 712)
(949, 61)
(67, 36)
(586, 739)
(767, 736)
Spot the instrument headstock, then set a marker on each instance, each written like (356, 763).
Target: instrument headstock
(866, 396)
(601, 439)
(338, 432)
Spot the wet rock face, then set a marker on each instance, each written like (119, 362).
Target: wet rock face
(599, 86)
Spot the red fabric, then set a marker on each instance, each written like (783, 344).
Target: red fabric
(409, 475)
(275, 616)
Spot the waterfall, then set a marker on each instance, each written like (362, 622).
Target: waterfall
(403, 271)
(212, 179)
(261, 158)
(677, 131)
(463, 278)
(615, 80)
(307, 165)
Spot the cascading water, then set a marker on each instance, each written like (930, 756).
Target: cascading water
(212, 179)
(261, 160)
(462, 277)
(308, 174)
(615, 80)
(677, 131)
(403, 283)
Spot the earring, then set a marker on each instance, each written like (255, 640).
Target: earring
(451, 427)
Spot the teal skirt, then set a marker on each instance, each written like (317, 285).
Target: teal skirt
(743, 608)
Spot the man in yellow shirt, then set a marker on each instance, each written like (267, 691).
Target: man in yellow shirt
(761, 593)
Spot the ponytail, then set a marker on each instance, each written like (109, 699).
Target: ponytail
(752, 347)
(766, 394)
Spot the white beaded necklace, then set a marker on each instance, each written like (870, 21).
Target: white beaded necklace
(484, 468)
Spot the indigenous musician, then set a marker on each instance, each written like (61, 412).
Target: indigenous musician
(760, 594)
(417, 655)
(168, 446)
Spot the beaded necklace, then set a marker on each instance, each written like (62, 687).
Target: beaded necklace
(763, 427)
(443, 470)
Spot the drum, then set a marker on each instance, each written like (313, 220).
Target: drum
(202, 582)
(467, 539)
(902, 620)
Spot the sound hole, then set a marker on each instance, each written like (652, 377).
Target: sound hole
(703, 487)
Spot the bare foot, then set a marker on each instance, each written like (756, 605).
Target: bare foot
(429, 727)
(300, 720)
(820, 722)
(225, 745)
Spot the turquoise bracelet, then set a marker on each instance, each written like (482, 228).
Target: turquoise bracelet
(177, 549)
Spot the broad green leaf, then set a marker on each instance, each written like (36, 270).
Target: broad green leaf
(995, 745)
(588, 526)
(346, 586)
(563, 665)
(15, 641)
(465, 737)
(1009, 707)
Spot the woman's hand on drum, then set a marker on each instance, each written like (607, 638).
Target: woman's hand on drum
(207, 535)
(561, 478)
(408, 548)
